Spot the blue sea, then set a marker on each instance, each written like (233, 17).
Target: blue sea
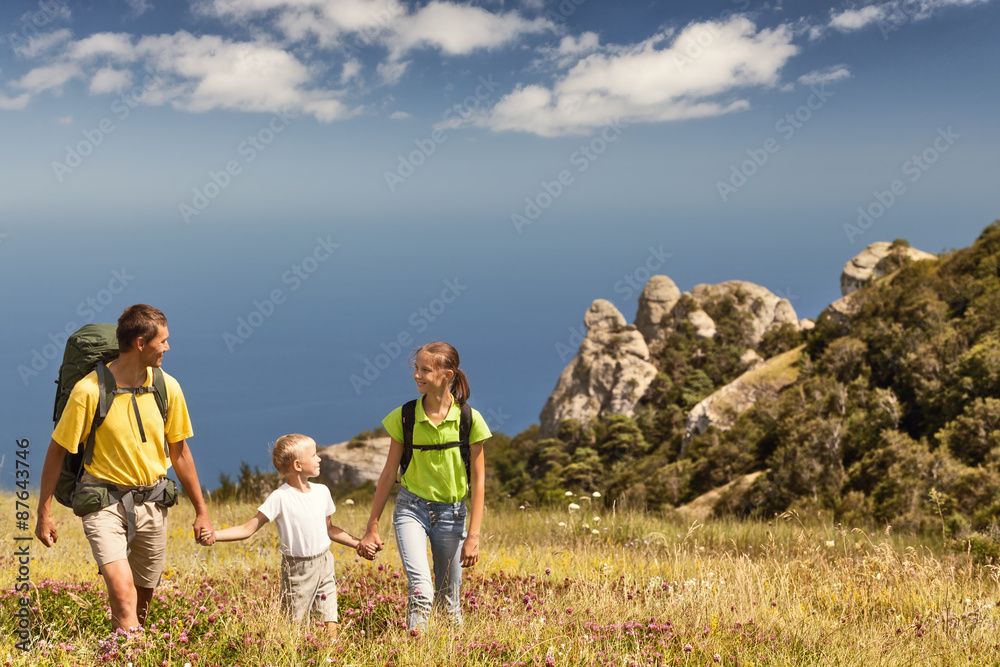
(307, 327)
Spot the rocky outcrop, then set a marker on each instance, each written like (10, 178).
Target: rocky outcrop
(703, 506)
(875, 261)
(767, 310)
(608, 375)
(347, 464)
(721, 408)
(662, 307)
(657, 301)
(704, 326)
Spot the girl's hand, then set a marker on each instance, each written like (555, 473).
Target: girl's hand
(470, 551)
(370, 544)
(366, 551)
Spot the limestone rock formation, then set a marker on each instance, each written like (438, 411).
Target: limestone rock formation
(704, 326)
(608, 375)
(875, 261)
(767, 310)
(350, 465)
(661, 307)
(721, 408)
(703, 506)
(657, 300)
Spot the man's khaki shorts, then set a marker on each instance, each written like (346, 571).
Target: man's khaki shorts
(106, 530)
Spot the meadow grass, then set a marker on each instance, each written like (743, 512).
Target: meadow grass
(554, 586)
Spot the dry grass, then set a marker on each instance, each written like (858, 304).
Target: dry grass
(587, 587)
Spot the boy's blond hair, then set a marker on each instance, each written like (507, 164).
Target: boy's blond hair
(287, 449)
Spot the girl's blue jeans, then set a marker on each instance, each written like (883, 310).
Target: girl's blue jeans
(416, 520)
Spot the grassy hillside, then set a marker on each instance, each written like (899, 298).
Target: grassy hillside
(894, 416)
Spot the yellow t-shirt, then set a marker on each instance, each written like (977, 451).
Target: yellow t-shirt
(120, 455)
(437, 475)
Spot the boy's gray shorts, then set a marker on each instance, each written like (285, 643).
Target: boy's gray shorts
(307, 580)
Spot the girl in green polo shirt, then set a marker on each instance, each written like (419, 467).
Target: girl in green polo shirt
(435, 485)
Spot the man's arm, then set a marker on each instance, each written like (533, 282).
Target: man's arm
(45, 527)
(187, 474)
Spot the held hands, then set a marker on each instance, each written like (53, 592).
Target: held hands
(204, 533)
(370, 544)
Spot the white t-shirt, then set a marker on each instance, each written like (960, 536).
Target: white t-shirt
(300, 518)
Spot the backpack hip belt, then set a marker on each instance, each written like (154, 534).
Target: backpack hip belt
(93, 497)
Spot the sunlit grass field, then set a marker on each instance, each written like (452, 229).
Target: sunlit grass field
(554, 586)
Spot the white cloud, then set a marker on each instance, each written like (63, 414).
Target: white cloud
(697, 73)
(138, 7)
(451, 28)
(894, 13)
(106, 44)
(48, 77)
(856, 19)
(42, 43)
(828, 75)
(352, 68)
(399, 115)
(110, 80)
(460, 29)
(64, 120)
(391, 72)
(209, 72)
(14, 103)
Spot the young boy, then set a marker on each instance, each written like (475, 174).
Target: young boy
(300, 510)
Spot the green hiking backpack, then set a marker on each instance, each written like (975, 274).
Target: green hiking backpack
(91, 347)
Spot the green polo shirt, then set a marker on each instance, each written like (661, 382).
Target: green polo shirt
(436, 475)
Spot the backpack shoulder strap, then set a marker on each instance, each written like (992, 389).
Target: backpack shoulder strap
(160, 390)
(106, 387)
(409, 415)
(464, 427)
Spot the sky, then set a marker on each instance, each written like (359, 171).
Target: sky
(311, 188)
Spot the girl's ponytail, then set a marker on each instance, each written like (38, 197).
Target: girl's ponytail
(460, 387)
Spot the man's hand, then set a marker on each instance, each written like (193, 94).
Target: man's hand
(204, 534)
(45, 529)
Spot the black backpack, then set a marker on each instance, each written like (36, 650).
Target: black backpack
(91, 347)
(464, 427)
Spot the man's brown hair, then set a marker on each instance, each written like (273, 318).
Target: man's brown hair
(138, 321)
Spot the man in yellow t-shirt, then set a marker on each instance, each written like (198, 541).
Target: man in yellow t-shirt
(128, 453)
